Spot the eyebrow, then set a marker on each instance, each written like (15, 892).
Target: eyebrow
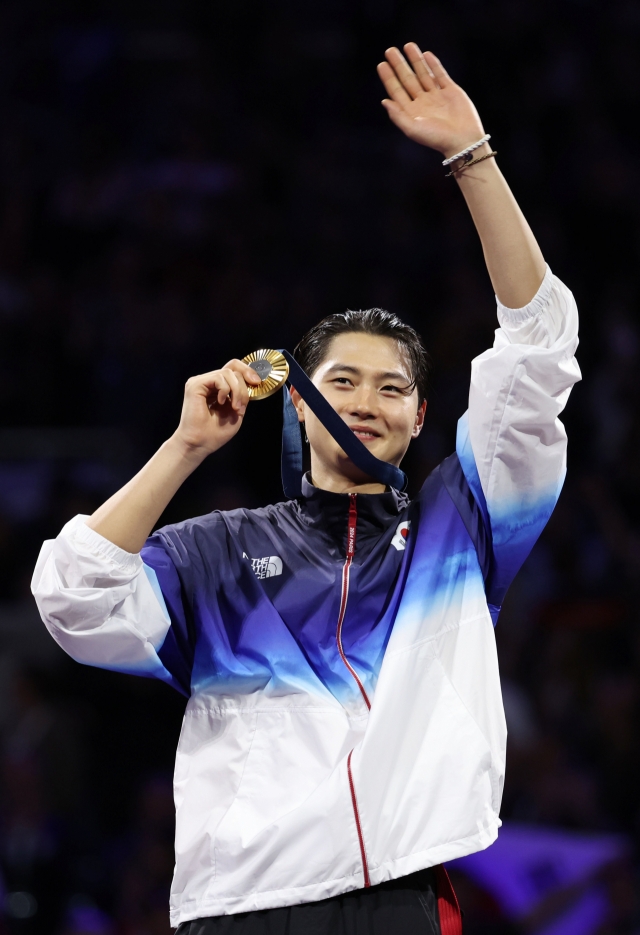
(381, 375)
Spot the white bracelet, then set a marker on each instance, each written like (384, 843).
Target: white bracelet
(469, 149)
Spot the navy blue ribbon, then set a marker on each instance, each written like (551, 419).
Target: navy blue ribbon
(382, 471)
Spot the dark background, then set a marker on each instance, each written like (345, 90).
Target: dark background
(181, 183)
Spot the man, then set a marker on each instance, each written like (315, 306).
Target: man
(344, 733)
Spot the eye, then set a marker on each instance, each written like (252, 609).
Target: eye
(343, 381)
(394, 390)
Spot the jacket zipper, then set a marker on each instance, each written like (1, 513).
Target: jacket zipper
(351, 550)
(356, 814)
(344, 596)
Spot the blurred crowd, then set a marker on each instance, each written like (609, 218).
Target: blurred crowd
(181, 183)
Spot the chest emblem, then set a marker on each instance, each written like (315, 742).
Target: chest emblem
(399, 541)
(267, 567)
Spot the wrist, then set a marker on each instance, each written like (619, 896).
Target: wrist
(481, 165)
(189, 454)
(463, 142)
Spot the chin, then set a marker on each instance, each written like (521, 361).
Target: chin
(378, 448)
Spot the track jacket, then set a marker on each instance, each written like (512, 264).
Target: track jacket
(344, 723)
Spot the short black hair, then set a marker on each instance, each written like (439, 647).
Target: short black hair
(312, 349)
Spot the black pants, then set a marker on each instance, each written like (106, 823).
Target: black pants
(407, 906)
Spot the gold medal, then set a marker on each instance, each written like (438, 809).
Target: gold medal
(272, 369)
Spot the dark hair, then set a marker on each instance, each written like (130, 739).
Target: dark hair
(311, 350)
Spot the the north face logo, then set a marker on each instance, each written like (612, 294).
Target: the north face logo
(267, 567)
(399, 541)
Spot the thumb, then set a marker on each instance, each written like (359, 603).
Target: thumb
(397, 115)
(390, 106)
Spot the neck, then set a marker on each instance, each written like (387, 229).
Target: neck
(336, 482)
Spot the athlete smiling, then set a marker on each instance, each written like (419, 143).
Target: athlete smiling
(368, 381)
(344, 733)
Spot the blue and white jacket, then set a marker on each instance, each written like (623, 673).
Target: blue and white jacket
(344, 723)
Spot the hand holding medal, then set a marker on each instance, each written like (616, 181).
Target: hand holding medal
(215, 403)
(214, 406)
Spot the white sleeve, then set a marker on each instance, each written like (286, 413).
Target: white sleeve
(102, 605)
(511, 442)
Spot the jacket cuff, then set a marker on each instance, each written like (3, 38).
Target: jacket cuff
(516, 316)
(93, 542)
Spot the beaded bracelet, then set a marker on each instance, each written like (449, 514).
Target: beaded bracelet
(474, 162)
(469, 149)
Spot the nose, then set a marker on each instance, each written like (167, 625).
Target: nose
(364, 402)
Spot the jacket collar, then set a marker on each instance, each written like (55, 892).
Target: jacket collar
(328, 511)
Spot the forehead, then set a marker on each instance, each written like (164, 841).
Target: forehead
(366, 351)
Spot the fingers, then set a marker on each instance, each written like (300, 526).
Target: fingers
(392, 85)
(232, 387)
(247, 372)
(225, 386)
(234, 377)
(436, 67)
(215, 387)
(420, 67)
(404, 82)
(404, 73)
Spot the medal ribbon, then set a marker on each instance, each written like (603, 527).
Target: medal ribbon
(382, 471)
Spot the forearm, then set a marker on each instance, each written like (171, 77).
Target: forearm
(434, 111)
(212, 412)
(128, 517)
(514, 259)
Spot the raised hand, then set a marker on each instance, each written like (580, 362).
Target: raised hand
(427, 105)
(214, 406)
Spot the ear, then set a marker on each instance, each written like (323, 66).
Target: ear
(420, 414)
(298, 402)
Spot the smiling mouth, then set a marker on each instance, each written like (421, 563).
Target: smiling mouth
(365, 435)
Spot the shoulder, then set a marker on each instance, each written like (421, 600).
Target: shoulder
(218, 540)
(220, 524)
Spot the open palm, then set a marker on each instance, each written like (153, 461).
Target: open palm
(427, 105)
